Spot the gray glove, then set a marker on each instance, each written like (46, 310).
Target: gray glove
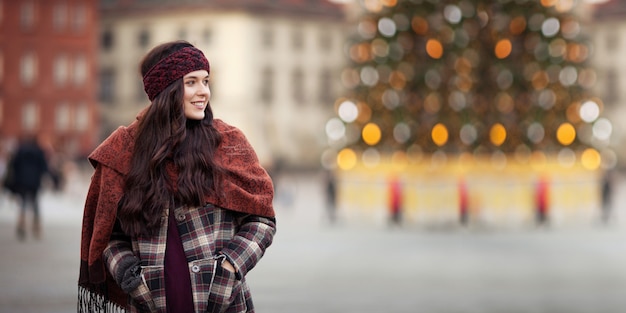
(129, 275)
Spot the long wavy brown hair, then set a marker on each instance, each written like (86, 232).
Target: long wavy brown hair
(166, 138)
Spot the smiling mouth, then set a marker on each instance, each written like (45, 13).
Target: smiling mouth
(198, 104)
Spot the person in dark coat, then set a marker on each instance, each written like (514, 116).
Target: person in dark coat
(28, 166)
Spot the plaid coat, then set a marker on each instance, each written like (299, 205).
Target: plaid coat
(209, 235)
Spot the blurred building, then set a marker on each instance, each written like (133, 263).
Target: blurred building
(608, 34)
(48, 77)
(275, 65)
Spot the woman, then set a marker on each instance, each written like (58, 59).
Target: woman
(179, 209)
(28, 165)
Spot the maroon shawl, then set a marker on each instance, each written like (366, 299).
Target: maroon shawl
(246, 187)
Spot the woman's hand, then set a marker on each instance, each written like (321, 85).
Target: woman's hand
(227, 266)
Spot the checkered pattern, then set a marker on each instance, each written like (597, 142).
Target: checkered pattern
(209, 235)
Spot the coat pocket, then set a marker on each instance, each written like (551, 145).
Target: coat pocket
(142, 296)
(224, 290)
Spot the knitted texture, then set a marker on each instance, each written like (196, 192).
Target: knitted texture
(173, 67)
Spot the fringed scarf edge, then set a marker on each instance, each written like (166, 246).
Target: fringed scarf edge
(91, 301)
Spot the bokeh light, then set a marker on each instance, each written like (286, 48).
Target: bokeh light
(387, 27)
(346, 159)
(565, 134)
(348, 111)
(434, 48)
(371, 134)
(468, 134)
(497, 134)
(566, 157)
(550, 27)
(370, 157)
(503, 48)
(589, 111)
(439, 134)
(602, 129)
(335, 129)
(590, 159)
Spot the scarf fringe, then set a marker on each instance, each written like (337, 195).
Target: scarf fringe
(90, 301)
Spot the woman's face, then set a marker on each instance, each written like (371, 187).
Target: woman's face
(197, 94)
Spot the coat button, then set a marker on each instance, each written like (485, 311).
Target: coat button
(180, 217)
(195, 268)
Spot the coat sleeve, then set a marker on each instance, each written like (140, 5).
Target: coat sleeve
(249, 244)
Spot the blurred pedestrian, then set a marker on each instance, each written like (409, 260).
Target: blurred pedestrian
(331, 196)
(395, 200)
(27, 167)
(542, 201)
(463, 202)
(179, 208)
(607, 196)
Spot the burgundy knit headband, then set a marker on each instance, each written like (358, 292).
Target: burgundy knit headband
(173, 67)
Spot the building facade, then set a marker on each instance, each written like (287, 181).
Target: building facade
(608, 34)
(275, 66)
(48, 77)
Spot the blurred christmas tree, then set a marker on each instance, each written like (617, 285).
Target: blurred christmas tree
(486, 77)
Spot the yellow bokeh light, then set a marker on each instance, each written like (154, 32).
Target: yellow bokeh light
(497, 134)
(591, 159)
(371, 134)
(439, 134)
(434, 48)
(503, 48)
(548, 3)
(346, 159)
(565, 134)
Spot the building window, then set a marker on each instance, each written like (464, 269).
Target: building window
(267, 85)
(80, 70)
(28, 68)
(326, 95)
(1, 10)
(611, 94)
(267, 36)
(1, 66)
(61, 70)
(27, 15)
(207, 35)
(182, 33)
(30, 116)
(1, 110)
(297, 38)
(107, 85)
(79, 21)
(144, 38)
(81, 118)
(62, 117)
(612, 41)
(107, 39)
(326, 40)
(297, 79)
(59, 16)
